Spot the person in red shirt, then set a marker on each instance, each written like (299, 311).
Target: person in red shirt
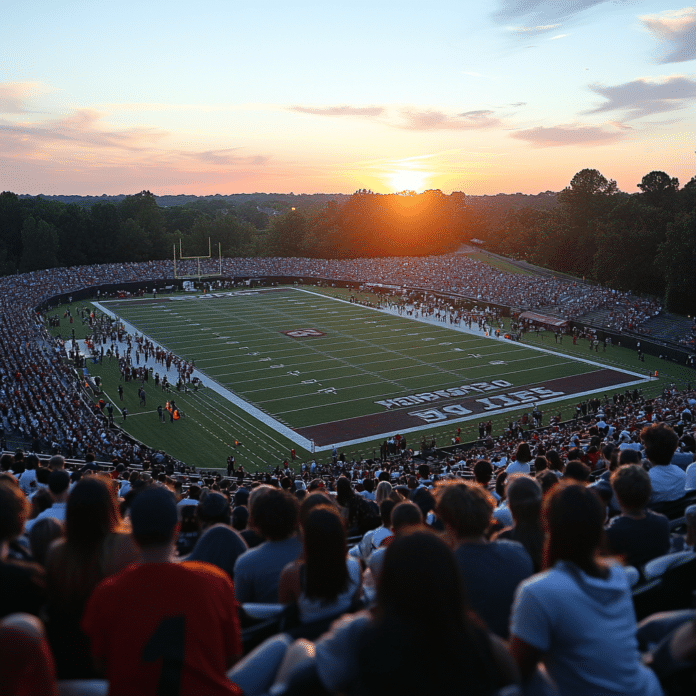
(160, 626)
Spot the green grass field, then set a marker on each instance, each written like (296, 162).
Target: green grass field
(350, 377)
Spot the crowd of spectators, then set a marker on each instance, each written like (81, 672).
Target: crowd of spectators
(39, 396)
(507, 557)
(463, 550)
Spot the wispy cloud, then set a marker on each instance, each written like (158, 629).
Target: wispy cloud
(540, 29)
(676, 32)
(339, 110)
(14, 96)
(224, 158)
(437, 120)
(558, 36)
(82, 128)
(620, 126)
(539, 16)
(644, 97)
(564, 135)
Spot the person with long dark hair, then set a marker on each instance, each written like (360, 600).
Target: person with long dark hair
(323, 582)
(95, 546)
(577, 616)
(420, 638)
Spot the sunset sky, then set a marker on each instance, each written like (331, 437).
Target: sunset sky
(233, 96)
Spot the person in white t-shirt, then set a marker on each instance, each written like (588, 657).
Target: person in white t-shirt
(668, 480)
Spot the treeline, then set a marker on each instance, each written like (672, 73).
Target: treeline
(373, 225)
(37, 233)
(644, 242)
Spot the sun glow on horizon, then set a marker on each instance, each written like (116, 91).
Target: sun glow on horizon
(408, 180)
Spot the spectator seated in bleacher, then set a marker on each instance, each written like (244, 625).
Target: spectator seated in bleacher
(407, 644)
(95, 546)
(492, 570)
(21, 581)
(524, 499)
(218, 544)
(577, 617)
(26, 662)
(668, 480)
(274, 513)
(160, 626)
(373, 539)
(323, 583)
(657, 566)
(637, 534)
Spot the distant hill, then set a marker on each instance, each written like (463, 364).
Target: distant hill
(275, 201)
(498, 204)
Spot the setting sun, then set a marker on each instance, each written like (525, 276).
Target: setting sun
(408, 180)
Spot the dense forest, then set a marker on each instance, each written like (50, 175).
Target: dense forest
(643, 242)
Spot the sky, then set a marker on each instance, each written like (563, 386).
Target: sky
(228, 96)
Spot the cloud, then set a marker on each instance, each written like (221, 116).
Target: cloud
(540, 16)
(540, 29)
(225, 157)
(339, 110)
(559, 136)
(558, 36)
(13, 96)
(436, 120)
(620, 126)
(643, 97)
(676, 31)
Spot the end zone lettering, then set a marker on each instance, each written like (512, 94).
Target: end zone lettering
(414, 399)
(518, 398)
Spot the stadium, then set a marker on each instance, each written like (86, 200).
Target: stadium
(334, 379)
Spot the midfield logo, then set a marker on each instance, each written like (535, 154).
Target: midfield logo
(303, 333)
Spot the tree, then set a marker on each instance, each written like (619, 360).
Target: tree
(287, 234)
(677, 258)
(147, 215)
(39, 245)
(659, 189)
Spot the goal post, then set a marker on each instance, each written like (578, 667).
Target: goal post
(198, 275)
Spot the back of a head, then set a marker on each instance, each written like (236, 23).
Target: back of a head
(275, 514)
(540, 464)
(221, 546)
(573, 515)
(406, 514)
(344, 490)
(214, 509)
(483, 470)
(524, 498)
(91, 512)
(523, 454)
(154, 516)
(465, 508)
(660, 443)
(420, 594)
(632, 486)
(57, 461)
(577, 470)
(554, 460)
(324, 541)
(629, 456)
(58, 481)
(384, 489)
(14, 510)
(420, 580)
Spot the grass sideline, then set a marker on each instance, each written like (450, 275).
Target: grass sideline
(212, 423)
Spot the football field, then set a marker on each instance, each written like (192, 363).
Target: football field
(324, 371)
